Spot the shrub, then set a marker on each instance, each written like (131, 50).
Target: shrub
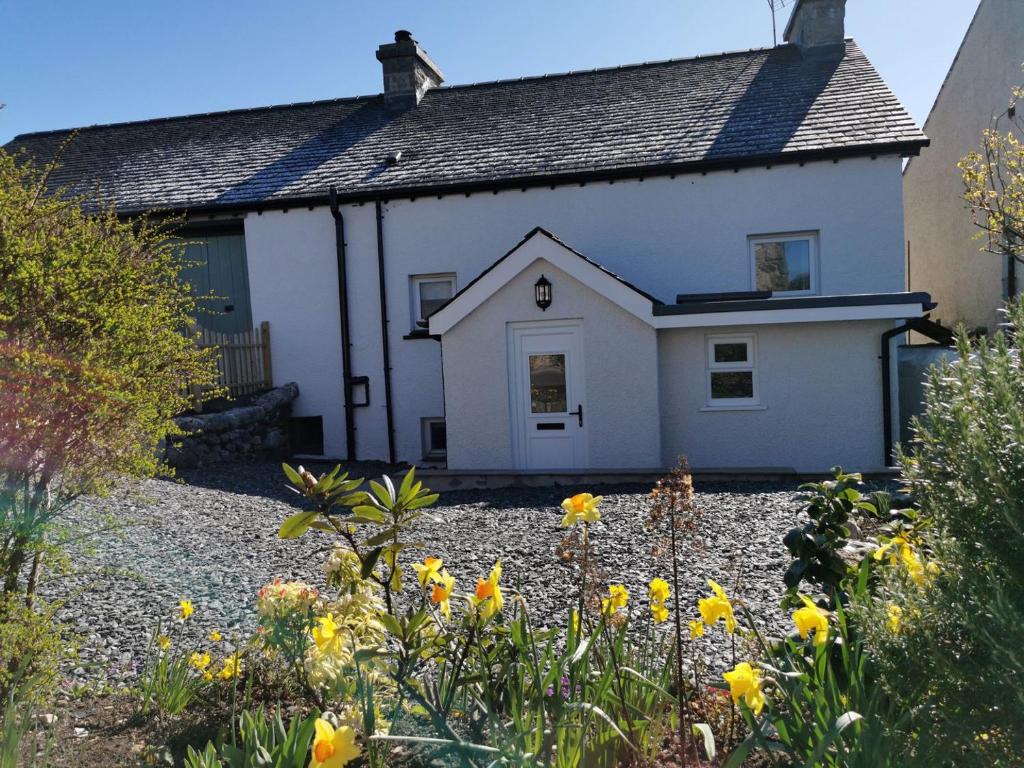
(947, 622)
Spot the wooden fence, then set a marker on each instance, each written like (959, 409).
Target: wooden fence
(243, 360)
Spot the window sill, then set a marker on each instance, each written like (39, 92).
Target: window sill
(750, 407)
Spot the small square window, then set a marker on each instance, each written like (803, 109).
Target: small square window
(732, 372)
(785, 264)
(428, 294)
(435, 439)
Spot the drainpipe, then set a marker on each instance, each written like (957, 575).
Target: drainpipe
(887, 338)
(385, 344)
(346, 343)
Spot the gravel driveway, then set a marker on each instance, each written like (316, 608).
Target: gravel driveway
(211, 536)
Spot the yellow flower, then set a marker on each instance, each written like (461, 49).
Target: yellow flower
(659, 612)
(163, 642)
(618, 597)
(582, 506)
(216, 636)
(895, 616)
(428, 570)
(232, 667)
(488, 595)
(199, 661)
(575, 618)
(658, 590)
(811, 618)
(717, 607)
(325, 633)
(696, 629)
(442, 592)
(185, 610)
(207, 676)
(745, 683)
(333, 747)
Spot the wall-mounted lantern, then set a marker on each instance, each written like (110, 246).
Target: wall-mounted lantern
(542, 292)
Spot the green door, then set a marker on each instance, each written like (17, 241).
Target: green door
(216, 268)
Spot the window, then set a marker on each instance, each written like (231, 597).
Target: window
(785, 264)
(732, 371)
(435, 439)
(429, 293)
(547, 384)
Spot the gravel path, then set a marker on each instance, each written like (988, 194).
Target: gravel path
(211, 536)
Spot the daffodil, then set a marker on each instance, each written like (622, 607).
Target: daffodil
(895, 618)
(216, 636)
(575, 618)
(333, 747)
(428, 570)
(582, 506)
(618, 597)
(809, 619)
(745, 683)
(163, 642)
(442, 591)
(325, 633)
(199, 661)
(696, 629)
(232, 667)
(185, 610)
(658, 590)
(659, 613)
(488, 597)
(716, 607)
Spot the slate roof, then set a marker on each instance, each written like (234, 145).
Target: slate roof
(682, 114)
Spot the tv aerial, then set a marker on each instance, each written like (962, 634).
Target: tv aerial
(774, 6)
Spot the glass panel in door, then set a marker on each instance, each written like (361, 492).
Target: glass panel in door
(547, 384)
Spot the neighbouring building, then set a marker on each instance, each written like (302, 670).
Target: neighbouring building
(944, 256)
(592, 270)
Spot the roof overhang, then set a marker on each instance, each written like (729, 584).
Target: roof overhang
(802, 309)
(541, 244)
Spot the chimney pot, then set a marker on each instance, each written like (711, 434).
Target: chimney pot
(408, 71)
(818, 28)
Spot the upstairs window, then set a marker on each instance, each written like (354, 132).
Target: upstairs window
(732, 371)
(785, 264)
(429, 293)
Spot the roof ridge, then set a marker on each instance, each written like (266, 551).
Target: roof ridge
(370, 97)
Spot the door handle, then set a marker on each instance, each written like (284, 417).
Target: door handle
(578, 412)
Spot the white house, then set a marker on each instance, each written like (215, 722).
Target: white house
(590, 270)
(944, 256)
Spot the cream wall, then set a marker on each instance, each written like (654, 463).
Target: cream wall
(820, 391)
(620, 359)
(944, 259)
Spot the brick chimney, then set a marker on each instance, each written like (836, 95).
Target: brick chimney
(408, 71)
(818, 28)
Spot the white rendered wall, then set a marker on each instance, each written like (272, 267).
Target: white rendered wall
(819, 385)
(620, 361)
(667, 236)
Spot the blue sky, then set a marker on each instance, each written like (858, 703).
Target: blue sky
(66, 64)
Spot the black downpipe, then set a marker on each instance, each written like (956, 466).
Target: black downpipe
(385, 344)
(887, 389)
(346, 342)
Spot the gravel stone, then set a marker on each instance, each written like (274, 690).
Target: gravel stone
(210, 536)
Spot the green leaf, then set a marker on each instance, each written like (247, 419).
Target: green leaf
(297, 524)
(382, 494)
(842, 722)
(381, 538)
(407, 482)
(704, 730)
(391, 624)
(293, 476)
(370, 513)
(423, 501)
(370, 561)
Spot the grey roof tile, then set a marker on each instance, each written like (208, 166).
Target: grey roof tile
(762, 103)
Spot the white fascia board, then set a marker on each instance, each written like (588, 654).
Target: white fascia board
(780, 316)
(541, 247)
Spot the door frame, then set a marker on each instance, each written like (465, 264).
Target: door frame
(517, 416)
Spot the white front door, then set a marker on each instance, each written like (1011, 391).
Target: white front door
(546, 386)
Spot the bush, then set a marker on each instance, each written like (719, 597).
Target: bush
(947, 623)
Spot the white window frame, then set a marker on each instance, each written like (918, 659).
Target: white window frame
(430, 453)
(787, 237)
(414, 294)
(750, 364)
